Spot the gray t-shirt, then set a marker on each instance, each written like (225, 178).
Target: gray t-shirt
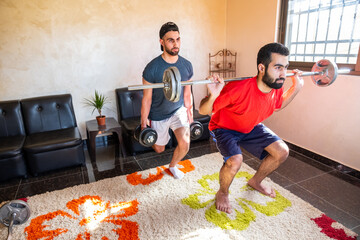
(161, 108)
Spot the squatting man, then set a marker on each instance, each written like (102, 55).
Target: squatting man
(237, 110)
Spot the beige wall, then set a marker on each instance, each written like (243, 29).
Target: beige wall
(250, 25)
(324, 120)
(77, 46)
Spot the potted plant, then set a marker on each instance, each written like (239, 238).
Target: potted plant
(97, 102)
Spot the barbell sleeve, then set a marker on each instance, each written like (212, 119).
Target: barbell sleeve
(146, 86)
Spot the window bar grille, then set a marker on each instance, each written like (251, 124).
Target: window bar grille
(291, 21)
(338, 36)
(297, 37)
(307, 29)
(291, 25)
(292, 39)
(351, 42)
(317, 29)
(327, 30)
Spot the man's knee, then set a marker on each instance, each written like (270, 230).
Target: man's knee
(158, 149)
(280, 151)
(234, 162)
(183, 139)
(184, 146)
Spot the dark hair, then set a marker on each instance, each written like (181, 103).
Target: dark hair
(167, 27)
(264, 54)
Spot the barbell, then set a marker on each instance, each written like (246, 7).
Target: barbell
(324, 73)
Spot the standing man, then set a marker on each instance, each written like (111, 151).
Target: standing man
(237, 113)
(160, 113)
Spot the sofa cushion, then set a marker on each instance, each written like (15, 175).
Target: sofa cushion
(48, 113)
(129, 103)
(11, 120)
(11, 146)
(52, 140)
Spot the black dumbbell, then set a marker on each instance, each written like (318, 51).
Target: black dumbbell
(146, 137)
(196, 130)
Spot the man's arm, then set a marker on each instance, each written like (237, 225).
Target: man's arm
(188, 102)
(214, 89)
(290, 94)
(145, 105)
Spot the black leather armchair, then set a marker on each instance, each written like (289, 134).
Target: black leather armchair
(129, 107)
(129, 113)
(53, 139)
(12, 138)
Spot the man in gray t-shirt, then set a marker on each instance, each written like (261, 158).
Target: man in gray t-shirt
(161, 114)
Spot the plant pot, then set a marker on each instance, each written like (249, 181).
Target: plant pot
(101, 120)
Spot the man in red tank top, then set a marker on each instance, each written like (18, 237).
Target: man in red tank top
(238, 108)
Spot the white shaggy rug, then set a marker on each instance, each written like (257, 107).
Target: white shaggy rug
(153, 205)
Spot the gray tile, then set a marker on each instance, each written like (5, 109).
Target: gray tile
(325, 206)
(342, 194)
(10, 183)
(129, 167)
(254, 163)
(298, 170)
(158, 160)
(49, 184)
(357, 230)
(152, 153)
(59, 173)
(8, 193)
(201, 148)
(281, 180)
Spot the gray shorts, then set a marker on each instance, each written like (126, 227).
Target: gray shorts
(178, 120)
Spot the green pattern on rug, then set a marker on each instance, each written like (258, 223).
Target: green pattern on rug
(242, 219)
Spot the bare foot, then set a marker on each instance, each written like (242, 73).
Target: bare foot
(222, 202)
(266, 190)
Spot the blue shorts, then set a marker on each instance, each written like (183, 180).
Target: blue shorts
(229, 142)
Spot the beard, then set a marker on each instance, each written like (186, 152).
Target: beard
(270, 82)
(172, 52)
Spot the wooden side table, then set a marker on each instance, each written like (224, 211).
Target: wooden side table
(111, 126)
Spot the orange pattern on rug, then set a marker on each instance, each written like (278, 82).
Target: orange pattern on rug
(137, 178)
(98, 211)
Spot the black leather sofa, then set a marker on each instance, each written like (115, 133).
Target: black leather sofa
(53, 140)
(12, 138)
(129, 112)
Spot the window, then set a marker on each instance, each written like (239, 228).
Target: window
(317, 29)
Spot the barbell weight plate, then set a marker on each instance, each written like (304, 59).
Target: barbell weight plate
(178, 84)
(329, 72)
(169, 85)
(16, 209)
(172, 79)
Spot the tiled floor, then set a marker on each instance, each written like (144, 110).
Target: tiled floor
(334, 192)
